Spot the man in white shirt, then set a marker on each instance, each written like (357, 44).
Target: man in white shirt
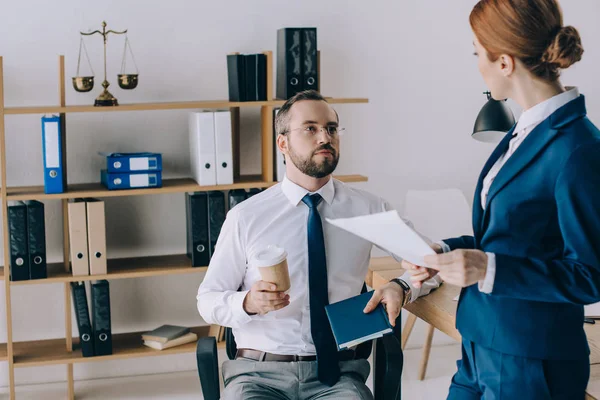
(281, 354)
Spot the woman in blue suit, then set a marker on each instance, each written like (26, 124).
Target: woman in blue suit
(534, 259)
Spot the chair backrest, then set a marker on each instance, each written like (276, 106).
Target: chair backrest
(439, 214)
(363, 350)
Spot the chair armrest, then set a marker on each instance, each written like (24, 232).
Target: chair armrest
(208, 367)
(388, 361)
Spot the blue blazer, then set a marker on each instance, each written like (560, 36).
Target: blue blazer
(542, 220)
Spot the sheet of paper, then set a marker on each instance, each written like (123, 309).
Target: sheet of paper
(389, 232)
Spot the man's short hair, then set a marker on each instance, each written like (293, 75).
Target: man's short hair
(282, 119)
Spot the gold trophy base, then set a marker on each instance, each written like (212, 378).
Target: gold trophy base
(106, 99)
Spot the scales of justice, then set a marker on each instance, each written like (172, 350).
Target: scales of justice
(86, 83)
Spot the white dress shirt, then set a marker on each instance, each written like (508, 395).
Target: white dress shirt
(278, 216)
(529, 120)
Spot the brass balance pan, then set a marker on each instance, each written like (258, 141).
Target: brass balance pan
(83, 83)
(128, 81)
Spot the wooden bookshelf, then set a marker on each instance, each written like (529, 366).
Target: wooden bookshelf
(122, 268)
(182, 105)
(125, 345)
(179, 185)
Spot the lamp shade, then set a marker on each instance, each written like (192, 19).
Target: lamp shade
(493, 121)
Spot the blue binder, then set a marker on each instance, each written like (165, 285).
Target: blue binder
(52, 150)
(132, 162)
(131, 180)
(351, 326)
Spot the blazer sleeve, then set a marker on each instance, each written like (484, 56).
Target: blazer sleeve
(575, 277)
(463, 242)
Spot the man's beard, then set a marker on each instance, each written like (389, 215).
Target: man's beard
(309, 167)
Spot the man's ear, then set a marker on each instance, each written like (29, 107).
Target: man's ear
(282, 144)
(507, 64)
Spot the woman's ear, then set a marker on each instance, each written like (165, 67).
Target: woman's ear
(507, 64)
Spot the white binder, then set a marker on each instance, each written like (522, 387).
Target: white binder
(279, 158)
(223, 147)
(202, 148)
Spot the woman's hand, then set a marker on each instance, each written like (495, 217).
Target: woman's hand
(459, 267)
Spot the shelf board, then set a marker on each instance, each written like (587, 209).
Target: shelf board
(122, 268)
(178, 185)
(125, 345)
(181, 105)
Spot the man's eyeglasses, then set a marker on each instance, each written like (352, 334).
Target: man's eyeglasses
(332, 131)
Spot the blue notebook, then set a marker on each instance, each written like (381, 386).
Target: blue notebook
(351, 326)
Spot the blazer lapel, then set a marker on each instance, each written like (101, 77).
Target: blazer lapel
(496, 154)
(534, 143)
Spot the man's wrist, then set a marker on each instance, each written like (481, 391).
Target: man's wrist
(405, 289)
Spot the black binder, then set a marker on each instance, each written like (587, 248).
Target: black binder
(236, 77)
(253, 192)
(256, 77)
(310, 77)
(82, 314)
(101, 318)
(289, 62)
(19, 254)
(250, 76)
(196, 222)
(36, 232)
(236, 196)
(216, 216)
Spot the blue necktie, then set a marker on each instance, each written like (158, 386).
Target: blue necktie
(328, 370)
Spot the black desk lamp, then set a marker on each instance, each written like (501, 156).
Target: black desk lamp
(493, 121)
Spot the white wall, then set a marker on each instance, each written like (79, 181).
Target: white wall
(412, 59)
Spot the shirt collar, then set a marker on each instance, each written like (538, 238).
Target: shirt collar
(296, 193)
(543, 110)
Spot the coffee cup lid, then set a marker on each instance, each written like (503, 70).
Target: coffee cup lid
(268, 256)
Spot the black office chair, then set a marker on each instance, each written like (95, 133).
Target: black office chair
(387, 363)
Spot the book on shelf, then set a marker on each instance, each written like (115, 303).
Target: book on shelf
(187, 338)
(165, 333)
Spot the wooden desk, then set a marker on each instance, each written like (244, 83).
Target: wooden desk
(439, 310)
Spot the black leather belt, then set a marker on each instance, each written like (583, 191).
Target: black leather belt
(258, 355)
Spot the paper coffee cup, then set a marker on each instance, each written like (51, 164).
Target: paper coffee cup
(272, 265)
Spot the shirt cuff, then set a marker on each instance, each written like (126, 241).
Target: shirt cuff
(444, 246)
(487, 284)
(236, 302)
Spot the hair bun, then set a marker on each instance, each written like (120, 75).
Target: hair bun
(564, 50)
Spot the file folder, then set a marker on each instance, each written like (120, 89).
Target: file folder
(82, 315)
(236, 196)
(202, 148)
(17, 228)
(101, 318)
(131, 162)
(131, 180)
(78, 237)
(236, 77)
(197, 239)
(96, 230)
(223, 147)
(253, 192)
(216, 217)
(36, 238)
(52, 151)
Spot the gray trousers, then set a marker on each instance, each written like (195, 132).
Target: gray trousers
(248, 379)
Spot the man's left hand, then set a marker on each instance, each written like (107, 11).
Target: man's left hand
(392, 296)
(459, 267)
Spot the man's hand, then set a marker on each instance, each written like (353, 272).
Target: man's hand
(392, 296)
(460, 267)
(263, 298)
(421, 274)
